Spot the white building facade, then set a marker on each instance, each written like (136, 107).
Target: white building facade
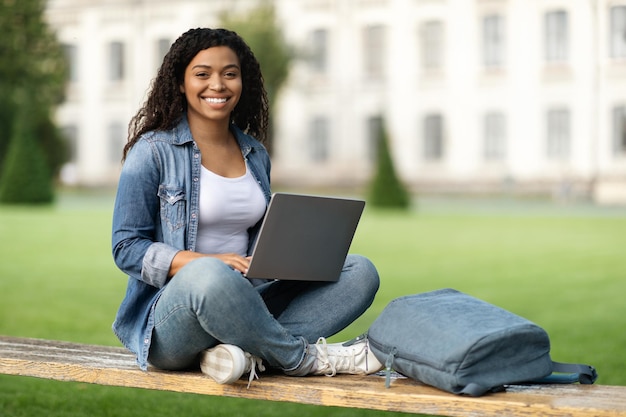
(476, 95)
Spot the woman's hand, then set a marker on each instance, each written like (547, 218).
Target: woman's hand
(235, 261)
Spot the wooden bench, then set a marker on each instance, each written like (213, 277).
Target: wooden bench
(115, 366)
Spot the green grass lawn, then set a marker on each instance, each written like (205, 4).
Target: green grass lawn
(560, 266)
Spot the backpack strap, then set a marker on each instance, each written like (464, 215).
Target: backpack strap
(562, 373)
(586, 373)
(569, 373)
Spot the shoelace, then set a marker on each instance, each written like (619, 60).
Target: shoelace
(322, 356)
(342, 360)
(255, 362)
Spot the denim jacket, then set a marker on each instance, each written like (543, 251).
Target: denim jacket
(156, 216)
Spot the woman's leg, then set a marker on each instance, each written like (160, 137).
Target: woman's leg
(322, 309)
(208, 303)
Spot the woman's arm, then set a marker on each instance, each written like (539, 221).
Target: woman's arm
(136, 249)
(235, 261)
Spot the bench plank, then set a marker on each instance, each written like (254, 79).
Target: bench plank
(115, 366)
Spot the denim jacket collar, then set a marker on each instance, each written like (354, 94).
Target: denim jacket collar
(182, 135)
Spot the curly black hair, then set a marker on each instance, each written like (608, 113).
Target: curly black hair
(166, 104)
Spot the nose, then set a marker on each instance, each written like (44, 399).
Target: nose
(216, 84)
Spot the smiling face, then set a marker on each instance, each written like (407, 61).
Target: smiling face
(212, 85)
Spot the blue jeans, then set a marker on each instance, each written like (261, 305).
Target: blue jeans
(207, 303)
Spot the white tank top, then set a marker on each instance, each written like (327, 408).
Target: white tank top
(228, 208)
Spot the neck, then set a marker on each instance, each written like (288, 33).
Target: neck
(217, 133)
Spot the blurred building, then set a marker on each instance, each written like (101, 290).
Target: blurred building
(520, 96)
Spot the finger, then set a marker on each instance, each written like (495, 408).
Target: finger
(233, 260)
(239, 263)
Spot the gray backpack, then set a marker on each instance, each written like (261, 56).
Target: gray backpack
(464, 345)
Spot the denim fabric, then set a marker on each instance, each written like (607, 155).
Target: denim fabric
(208, 303)
(156, 215)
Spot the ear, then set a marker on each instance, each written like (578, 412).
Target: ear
(181, 88)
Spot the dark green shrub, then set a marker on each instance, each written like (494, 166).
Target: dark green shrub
(25, 178)
(386, 190)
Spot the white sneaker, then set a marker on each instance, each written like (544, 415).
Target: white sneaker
(352, 357)
(225, 364)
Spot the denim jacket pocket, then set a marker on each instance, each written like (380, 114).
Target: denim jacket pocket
(173, 206)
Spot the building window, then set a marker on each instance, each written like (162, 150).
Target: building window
(556, 36)
(70, 135)
(117, 140)
(433, 137)
(374, 133)
(374, 51)
(71, 55)
(493, 41)
(319, 50)
(619, 130)
(319, 135)
(68, 173)
(116, 61)
(494, 136)
(558, 134)
(163, 47)
(618, 32)
(431, 40)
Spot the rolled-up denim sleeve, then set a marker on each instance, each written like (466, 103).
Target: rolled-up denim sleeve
(156, 264)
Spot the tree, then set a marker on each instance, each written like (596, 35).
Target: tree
(259, 29)
(33, 71)
(25, 175)
(386, 190)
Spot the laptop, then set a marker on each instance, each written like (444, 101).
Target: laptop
(305, 237)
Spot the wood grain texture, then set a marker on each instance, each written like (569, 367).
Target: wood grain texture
(115, 366)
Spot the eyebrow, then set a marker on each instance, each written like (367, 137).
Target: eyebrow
(229, 66)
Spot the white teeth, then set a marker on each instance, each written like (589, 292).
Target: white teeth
(215, 100)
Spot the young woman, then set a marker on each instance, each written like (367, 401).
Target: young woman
(192, 193)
